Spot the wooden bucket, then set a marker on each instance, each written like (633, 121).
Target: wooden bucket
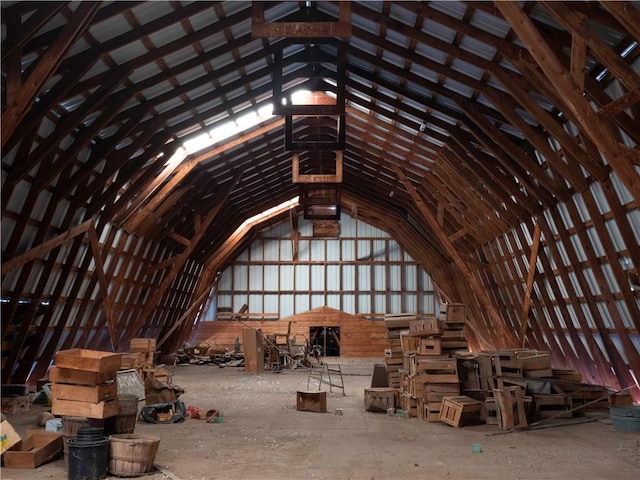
(132, 455)
(125, 421)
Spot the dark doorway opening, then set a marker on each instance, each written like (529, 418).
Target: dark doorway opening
(328, 338)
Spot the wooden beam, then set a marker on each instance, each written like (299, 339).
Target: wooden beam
(316, 178)
(627, 14)
(619, 104)
(35, 252)
(301, 29)
(178, 323)
(600, 132)
(578, 57)
(530, 277)
(476, 287)
(179, 173)
(31, 26)
(17, 106)
(104, 285)
(577, 24)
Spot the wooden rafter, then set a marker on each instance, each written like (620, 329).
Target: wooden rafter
(529, 284)
(601, 132)
(46, 66)
(498, 322)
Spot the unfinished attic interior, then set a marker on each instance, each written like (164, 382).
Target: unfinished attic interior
(183, 171)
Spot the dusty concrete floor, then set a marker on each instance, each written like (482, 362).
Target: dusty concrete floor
(264, 437)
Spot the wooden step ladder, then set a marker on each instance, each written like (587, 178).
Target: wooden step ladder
(330, 374)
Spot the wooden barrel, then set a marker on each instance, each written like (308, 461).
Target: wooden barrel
(132, 455)
(125, 421)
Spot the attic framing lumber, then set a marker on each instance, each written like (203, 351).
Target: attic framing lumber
(529, 285)
(47, 64)
(601, 132)
(308, 29)
(478, 290)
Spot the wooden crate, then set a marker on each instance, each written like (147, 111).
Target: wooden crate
(429, 346)
(79, 377)
(142, 345)
(555, 405)
(409, 404)
(74, 408)
(90, 360)
(435, 392)
(311, 401)
(428, 411)
(511, 408)
(15, 404)
(460, 411)
(455, 313)
(34, 450)
(439, 370)
(379, 399)
(489, 413)
(409, 344)
(424, 327)
(84, 393)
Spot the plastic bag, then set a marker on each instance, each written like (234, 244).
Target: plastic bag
(170, 412)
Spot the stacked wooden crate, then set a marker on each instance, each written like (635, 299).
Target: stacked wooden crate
(145, 348)
(395, 325)
(83, 383)
(452, 334)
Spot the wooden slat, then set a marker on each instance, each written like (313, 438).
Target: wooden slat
(529, 285)
(18, 105)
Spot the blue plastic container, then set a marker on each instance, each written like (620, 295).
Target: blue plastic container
(626, 418)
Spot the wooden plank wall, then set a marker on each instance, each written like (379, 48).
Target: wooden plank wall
(359, 337)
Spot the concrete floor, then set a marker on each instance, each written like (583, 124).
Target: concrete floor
(264, 437)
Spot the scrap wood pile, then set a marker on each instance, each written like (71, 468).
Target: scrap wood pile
(432, 375)
(203, 353)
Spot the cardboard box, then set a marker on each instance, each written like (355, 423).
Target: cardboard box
(34, 450)
(91, 360)
(8, 436)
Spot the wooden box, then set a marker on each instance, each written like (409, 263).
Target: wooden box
(34, 450)
(91, 360)
(424, 327)
(15, 404)
(74, 408)
(439, 370)
(84, 393)
(460, 411)
(435, 392)
(311, 401)
(455, 313)
(379, 399)
(409, 344)
(79, 377)
(429, 346)
(142, 345)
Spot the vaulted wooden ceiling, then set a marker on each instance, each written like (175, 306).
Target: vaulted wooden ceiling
(472, 129)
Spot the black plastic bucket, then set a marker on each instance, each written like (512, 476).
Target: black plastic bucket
(88, 459)
(85, 434)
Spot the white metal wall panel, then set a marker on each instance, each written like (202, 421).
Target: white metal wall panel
(333, 277)
(302, 277)
(363, 249)
(271, 303)
(271, 250)
(286, 305)
(410, 302)
(333, 250)
(349, 249)
(256, 303)
(255, 277)
(347, 226)
(364, 277)
(380, 302)
(317, 277)
(333, 301)
(286, 250)
(238, 302)
(302, 302)
(303, 250)
(410, 277)
(240, 277)
(317, 250)
(349, 277)
(395, 275)
(271, 277)
(286, 277)
(317, 300)
(379, 279)
(348, 304)
(363, 303)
